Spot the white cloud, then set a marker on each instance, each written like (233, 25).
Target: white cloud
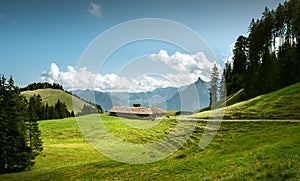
(1, 16)
(95, 9)
(228, 57)
(147, 83)
(83, 79)
(189, 67)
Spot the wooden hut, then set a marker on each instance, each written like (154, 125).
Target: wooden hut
(137, 112)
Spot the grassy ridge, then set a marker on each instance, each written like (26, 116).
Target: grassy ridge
(51, 96)
(281, 104)
(241, 150)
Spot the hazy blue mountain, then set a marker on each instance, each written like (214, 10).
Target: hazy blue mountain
(104, 99)
(166, 98)
(154, 97)
(193, 97)
(146, 99)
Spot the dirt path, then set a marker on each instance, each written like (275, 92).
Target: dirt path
(187, 118)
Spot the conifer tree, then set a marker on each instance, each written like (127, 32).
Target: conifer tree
(223, 91)
(214, 85)
(15, 152)
(269, 59)
(35, 108)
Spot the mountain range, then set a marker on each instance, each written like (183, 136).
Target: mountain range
(186, 98)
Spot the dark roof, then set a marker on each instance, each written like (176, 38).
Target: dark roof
(137, 110)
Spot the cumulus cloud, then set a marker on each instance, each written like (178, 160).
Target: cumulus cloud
(95, 9)
(184, 69)
(189, 67)
(228, 57)
(147, 83)
(83, 79)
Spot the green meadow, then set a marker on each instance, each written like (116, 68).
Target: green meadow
(264, 150)
(281, 104)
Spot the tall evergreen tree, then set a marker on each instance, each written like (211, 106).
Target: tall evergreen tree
(223, 90)
(239, 64)
(15, 152)
(269, 59)
(227, 75)
(35, 109)
(214, 85)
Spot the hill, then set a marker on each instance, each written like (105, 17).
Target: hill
(247, 151)
(51, 96)
(281, 104)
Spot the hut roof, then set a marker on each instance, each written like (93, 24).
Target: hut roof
(137, 110)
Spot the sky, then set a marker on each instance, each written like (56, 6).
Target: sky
(50, 40)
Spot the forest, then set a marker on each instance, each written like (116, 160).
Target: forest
(45, 112)
(42, 85)
(269, 57)
(20, 137)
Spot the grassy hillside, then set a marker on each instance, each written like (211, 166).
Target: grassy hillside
(51, 96)
(235, 98)
(281, 104)
(240, 151)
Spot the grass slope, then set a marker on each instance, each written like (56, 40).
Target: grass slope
(281, 104)
(235, 98)
(51, 96)
(240, 151)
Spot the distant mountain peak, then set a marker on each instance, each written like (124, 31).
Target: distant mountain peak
(200, 80)
(168, 97)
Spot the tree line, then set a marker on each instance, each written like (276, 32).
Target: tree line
(42, 85)
(20, 137)
(45, 112)
(269, 57)
(59, 110)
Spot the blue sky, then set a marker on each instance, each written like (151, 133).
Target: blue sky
(34, 34)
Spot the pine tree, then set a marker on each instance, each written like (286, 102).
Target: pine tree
(214, 85)
(228, 79)
(15, 153)
(35, 108)
(239, 64)
(223, 91)
(261, 64)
